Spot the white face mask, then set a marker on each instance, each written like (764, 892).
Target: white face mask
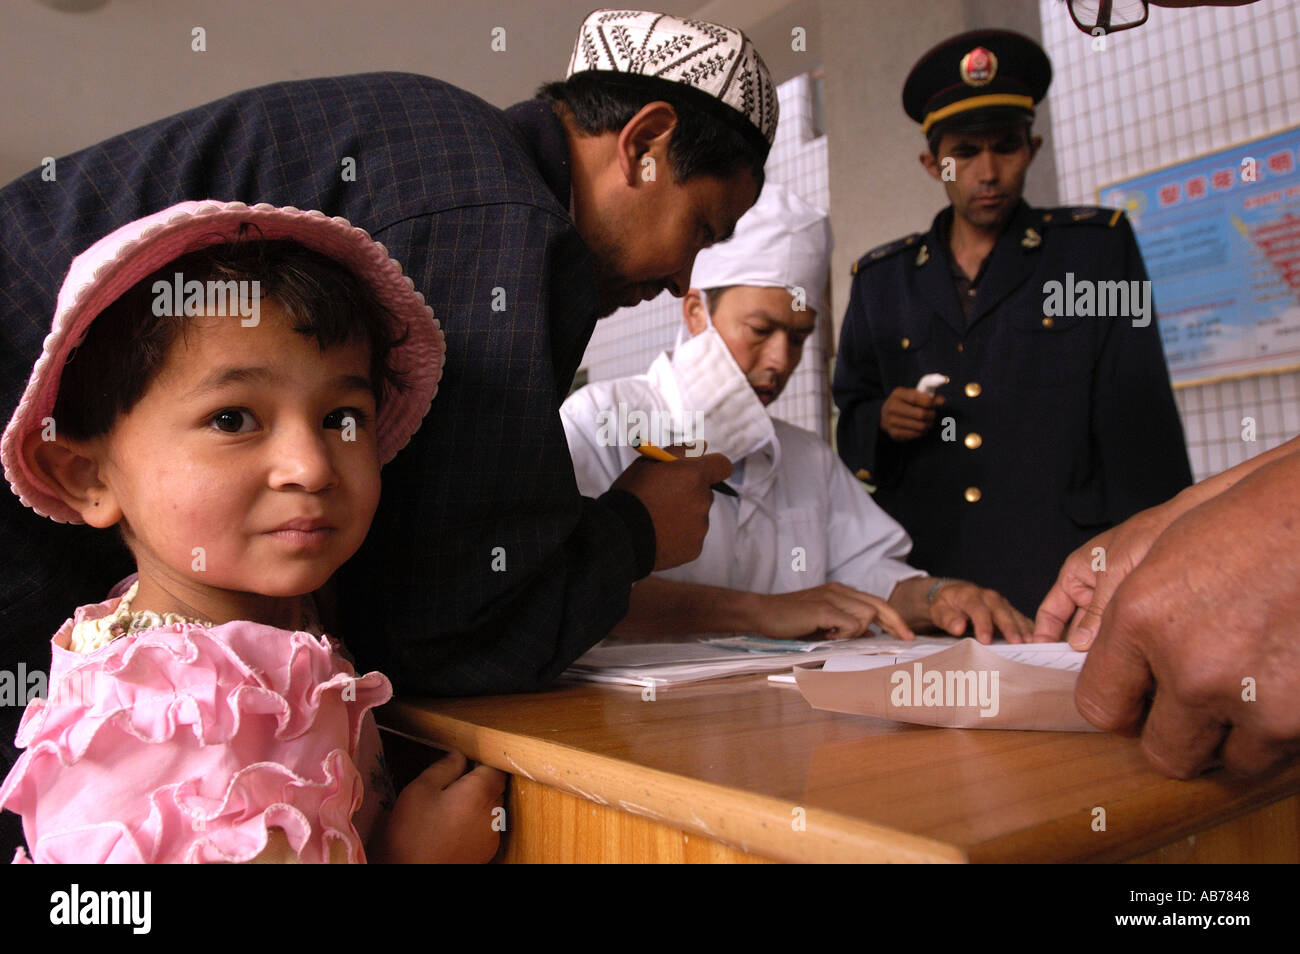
(736, 423)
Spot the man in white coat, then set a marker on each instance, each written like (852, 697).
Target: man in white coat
(803, 549)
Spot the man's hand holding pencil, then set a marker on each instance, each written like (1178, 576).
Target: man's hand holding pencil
(677, 495)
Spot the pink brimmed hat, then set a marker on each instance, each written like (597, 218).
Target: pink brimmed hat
(105, 271)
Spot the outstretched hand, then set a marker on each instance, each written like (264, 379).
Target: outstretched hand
(831, 611)
(959, 604)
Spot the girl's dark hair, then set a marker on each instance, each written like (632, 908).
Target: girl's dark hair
(705, 142)
(110, 370)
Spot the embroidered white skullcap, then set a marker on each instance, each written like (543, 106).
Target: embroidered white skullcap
(713, 59)
(781, 242)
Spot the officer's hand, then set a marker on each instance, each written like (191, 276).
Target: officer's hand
(959, 604)
(678, 497)
(908, 413)
(830, 611)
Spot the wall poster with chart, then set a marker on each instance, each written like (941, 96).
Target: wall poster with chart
(1221, 238)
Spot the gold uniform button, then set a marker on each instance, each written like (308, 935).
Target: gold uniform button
(973, 389)
(906, 342)
(973, 494)
(863, 474)
(960, 346)
(1048, 321)
(973, 440)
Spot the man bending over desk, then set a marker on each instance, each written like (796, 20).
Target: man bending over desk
(803, 549)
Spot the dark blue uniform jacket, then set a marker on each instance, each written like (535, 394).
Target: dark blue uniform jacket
(1056, 426)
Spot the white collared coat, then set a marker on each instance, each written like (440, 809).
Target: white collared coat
(802, 519)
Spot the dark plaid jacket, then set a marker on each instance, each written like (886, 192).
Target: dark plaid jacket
(470, 200)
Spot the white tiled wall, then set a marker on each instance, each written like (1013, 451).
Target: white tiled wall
(1187, 82)
(627, 341)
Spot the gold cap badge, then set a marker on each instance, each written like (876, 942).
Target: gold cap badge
(978, 67)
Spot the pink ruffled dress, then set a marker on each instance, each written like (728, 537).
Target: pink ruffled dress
(183, 742)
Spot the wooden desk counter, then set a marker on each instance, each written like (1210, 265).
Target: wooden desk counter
(744, 770)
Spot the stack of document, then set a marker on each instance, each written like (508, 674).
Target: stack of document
(674, 663)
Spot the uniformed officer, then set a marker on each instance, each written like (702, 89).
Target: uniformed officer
(1057, 419)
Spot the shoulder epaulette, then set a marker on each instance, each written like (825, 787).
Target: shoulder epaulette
(1081, 215)
(884, 251)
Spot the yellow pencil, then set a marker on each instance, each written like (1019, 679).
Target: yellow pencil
(654, 453)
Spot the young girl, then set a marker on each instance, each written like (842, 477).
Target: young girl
(222, 383)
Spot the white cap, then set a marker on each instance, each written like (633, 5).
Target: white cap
(782, 242)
